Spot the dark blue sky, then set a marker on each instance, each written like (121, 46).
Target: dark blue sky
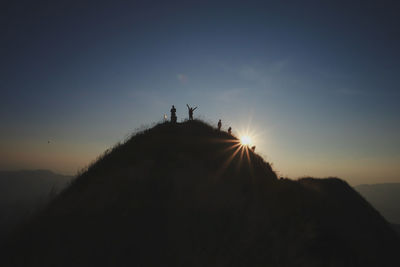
(317, 81)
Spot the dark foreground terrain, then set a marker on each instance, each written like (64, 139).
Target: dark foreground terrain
(397, 228)
(181, 195)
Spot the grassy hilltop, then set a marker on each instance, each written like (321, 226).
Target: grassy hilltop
(188, 195)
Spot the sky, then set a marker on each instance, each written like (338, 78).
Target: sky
(317, 83)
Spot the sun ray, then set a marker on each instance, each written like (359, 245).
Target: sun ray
(229, 148)
(249, 162)
(225, 165)
(245, 140)
(220, 140)
(248, 155)
(239, 147)
(240, 157)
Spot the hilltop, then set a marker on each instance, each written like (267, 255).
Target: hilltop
(187, 195)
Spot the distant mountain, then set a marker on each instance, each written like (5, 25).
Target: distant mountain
(21, 192)
(384, 197)
(187, 194)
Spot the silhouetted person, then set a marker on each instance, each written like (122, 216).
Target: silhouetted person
(219, 125)
(190, 111)
(230, 130)
(173, 114)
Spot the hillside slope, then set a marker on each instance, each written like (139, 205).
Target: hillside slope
(182, 195)
(384, 197)
(396, 228)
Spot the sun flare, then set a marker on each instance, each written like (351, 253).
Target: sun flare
(245, 140)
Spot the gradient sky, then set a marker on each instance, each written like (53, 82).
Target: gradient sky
(317, 81)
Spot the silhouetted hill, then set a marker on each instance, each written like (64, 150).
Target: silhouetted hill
(21, 192)
(180, 195)
(384, 197)
(397, 228)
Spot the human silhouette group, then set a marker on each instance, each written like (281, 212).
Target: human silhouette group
(173, 113)
(190, 111)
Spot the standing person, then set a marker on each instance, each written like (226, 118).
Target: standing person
(190, 109)
(173, 114)
(219, 125)
(230, 130)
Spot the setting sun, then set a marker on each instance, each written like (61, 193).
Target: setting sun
(245, 140)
